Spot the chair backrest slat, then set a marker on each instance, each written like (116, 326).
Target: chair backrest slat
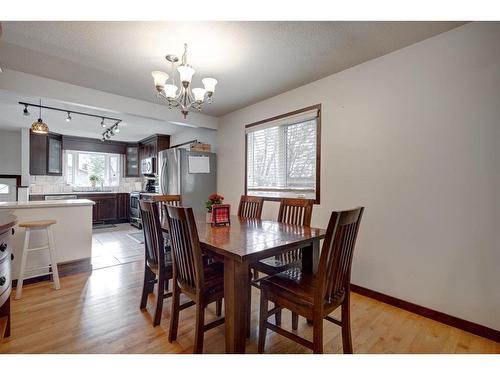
(296, 211)
(186, 251)
(250, 207)
(167, 200)
(334, 273)
(153, 238)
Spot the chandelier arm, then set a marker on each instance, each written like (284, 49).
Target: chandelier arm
(171, 102)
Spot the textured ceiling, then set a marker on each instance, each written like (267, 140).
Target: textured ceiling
(251, 60)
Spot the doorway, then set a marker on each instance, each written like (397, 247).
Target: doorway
(8, 187)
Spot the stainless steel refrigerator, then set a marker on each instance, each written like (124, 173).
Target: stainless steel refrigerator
(190, 174)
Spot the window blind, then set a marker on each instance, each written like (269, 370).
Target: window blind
(281, 157)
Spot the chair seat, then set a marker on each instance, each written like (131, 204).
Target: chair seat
(274, 265)
(37, 223)
(291, 284)
(297, 287)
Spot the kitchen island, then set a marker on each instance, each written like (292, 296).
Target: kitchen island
(72, 233)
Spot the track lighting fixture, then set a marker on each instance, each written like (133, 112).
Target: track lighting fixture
(42, 128)
(111, 131)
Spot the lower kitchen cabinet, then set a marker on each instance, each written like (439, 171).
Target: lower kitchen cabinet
(108, 207)
(124, 206)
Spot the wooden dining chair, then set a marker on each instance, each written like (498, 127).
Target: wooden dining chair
(295, 212)
(202, 283)
(250, 207)
(163, 201)
(158, 264)
(316, 296)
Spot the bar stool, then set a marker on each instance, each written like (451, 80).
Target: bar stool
(38, 225)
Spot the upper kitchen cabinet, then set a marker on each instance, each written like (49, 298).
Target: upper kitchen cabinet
(149, 147)
(46, 153)
(132, 160)
(54, 155)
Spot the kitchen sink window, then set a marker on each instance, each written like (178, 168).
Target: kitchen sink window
(283, 155)
(84, 167)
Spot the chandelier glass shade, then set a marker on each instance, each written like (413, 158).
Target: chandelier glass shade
(183, 97)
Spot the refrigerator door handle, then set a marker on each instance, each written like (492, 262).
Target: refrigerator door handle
(164, 184)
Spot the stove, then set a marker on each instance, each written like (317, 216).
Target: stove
(135, 210)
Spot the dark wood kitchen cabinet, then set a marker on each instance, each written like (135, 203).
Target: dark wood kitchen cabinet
(149, 147)
(46, 154)
(108, 207)
(124, 206)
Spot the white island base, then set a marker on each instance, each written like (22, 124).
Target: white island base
(72, 233)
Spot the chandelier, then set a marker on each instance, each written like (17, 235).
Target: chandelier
(186, 98)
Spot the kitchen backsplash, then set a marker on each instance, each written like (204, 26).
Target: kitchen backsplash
(56, 184)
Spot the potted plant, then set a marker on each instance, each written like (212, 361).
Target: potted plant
(94, 179)
(212, 199)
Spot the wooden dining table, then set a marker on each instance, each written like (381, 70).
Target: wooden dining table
(238, 245)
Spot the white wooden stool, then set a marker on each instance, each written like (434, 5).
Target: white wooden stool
(38, 225)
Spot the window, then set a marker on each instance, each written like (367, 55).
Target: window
(4, 189)
(81, 165)
(282, 155)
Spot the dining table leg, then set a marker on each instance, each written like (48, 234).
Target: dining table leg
(236, 282)
(310, 257)
(310, 261)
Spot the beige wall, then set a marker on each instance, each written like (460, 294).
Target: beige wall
(10, 151)
(414, 136)
(200, 134)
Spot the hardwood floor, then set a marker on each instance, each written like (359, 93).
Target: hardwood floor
(99, 313)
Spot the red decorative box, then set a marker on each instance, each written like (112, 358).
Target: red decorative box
(221, 214)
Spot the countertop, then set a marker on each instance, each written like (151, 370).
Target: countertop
(47, 204)
(83, 193)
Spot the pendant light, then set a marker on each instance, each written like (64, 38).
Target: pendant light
(40, 127)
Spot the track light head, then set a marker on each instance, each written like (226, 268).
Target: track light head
(68, 119)
(102, 123)
(25, 111)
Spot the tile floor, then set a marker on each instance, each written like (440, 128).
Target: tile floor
(112, 246)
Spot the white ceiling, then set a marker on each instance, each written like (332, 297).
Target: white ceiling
(133, 128)
(251, 60)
